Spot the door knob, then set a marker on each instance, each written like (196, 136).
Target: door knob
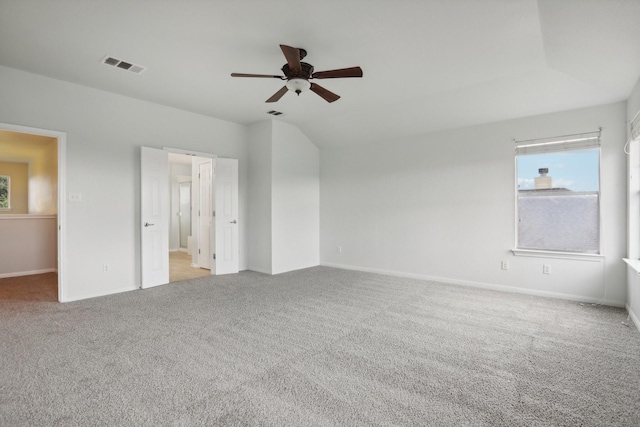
(233, 222)
(146, 224)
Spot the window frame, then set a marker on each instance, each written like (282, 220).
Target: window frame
(8, 178)
(550, 253)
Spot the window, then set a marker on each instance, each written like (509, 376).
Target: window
(5, 192)
(558, 196)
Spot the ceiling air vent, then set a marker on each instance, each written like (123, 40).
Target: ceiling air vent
(123, 65)
(274, 113)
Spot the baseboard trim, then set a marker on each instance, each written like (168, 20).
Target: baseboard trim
(99, 294)
(633, 316)
(28, 273)
(257, 270)
(482, 285)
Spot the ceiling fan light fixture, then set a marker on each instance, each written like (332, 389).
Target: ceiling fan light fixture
(298, 85)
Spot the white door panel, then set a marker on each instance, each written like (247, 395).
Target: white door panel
(226, 220)
(154, 197)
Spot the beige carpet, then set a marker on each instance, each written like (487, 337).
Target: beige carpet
(180, 267)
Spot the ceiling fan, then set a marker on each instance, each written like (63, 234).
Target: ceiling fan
(298, 73)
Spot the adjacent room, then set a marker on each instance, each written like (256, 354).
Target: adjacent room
(342, 213)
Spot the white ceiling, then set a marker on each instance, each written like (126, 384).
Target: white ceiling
(428, 65)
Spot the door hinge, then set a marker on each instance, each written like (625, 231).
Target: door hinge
(214, 256)
(198, 176)
(198, 251)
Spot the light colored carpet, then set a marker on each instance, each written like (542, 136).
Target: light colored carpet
(317, 347)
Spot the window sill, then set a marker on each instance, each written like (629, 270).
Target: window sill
(557, 255)
(633, 263)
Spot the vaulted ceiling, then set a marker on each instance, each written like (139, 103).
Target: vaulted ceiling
(428, 64)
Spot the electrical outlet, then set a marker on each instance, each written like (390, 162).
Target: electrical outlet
(546, 269)
(504, 265)
(75, 197)
(105, 268)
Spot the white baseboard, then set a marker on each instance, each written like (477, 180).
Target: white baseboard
(633, 316)
(482, 285)
(258, 270)
(28, 273)
(99, 294)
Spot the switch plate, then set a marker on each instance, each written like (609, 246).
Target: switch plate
(339, 249)
(75, 197)
(546, 269)
(504, 265)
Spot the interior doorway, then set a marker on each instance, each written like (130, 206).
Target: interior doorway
(183, 223)
(220, 241)
(39, 227)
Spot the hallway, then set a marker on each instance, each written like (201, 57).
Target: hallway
(180, 267)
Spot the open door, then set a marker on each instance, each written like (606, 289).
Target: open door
(226, 216)
(154, 215)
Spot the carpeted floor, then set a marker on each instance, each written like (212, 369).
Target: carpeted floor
(317, 347)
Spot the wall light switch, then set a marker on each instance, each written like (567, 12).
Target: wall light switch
(504, 265)
(75, 197)
(546, 269)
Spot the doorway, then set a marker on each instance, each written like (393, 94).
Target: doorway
(43, 222)
(155, 214)
(220, 212)
(182, 241)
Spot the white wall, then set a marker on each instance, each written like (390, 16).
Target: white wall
(442, 206)
(104, 135)
(260, 258)
(284, 194)
(295, 199)
(28, 244)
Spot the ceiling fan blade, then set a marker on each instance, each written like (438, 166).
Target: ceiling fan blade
(324, 93)
(276, 96)
(336, 74)
(293, 57)
(256, 75)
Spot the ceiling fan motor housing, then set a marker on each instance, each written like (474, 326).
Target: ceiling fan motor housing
(306, 70)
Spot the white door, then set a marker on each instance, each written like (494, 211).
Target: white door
(154, 215)
(226, 216)
(205, 214)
